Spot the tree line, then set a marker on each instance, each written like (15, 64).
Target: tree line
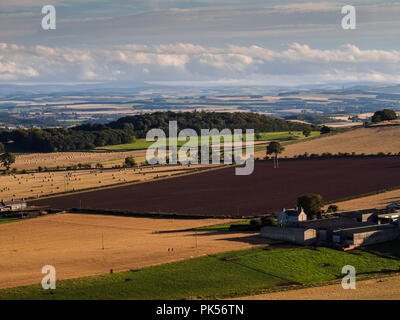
(124, 130)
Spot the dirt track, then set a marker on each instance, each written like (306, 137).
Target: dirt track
(73, 244)
(221, 192)
(376, 289)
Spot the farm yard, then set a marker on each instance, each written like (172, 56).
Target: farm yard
(74, 244)
(221, 193)
(31, 185)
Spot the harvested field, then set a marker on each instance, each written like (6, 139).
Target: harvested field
(376, 289)
(222, 193)
(379, 201)
(73, 244)
(52, 160)
(40, 184)
(371, 140)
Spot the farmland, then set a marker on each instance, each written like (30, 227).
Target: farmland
(65, 159)
(371, 140)
(220, 275)
(373, 289)
(33, 185)
(265, 191)
(263, 137)
(74, 244)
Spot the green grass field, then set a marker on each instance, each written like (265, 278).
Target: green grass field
(8, 220)
(266, 136)
(229, 274)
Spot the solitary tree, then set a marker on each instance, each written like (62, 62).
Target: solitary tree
(307, 132)
(7, 159)
(311, 203)
(275, 148)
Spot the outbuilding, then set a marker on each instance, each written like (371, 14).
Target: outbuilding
(295, 235)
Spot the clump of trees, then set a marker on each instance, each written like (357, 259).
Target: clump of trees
(312, 205)
(325, 130)
(384, 115)
(7, 159)
(130, 162)
(208, 120)
(63, 139)
(332, 208)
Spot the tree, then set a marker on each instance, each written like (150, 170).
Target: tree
(333, 208)
(384, 115)
(7, 159)
(311, 203)
(307, 132)
(1, 147)
(275, 148)
(325, 129)
(130, 162)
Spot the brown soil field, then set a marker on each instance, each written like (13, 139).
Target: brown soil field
(40, 184)
(387, 288)
(74, 245)
(371, 140)
(222, 193)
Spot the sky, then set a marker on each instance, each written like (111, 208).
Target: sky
(221, 42)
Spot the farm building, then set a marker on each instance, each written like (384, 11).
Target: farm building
(348, 229)
(366, 235)
(296, 235)
(394, 205)
(359, 216)
(12, 205)
(390, 217)
(291, 216)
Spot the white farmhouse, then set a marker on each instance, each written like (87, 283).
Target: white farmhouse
(291, 216)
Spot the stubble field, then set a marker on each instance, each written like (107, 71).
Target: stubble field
(74, 243)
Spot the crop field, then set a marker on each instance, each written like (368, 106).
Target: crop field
(220, 275)
(32, 185)
(379, 201)
(81, 245)
(222, 193)
(370, 140)
(64, 159)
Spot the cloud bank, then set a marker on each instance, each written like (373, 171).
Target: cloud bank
(185, 62)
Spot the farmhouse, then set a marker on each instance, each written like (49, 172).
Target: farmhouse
(291, 216)
(12, 205)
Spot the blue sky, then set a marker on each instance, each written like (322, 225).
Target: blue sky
(228, 41)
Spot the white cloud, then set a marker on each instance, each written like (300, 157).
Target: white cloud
(189, 62)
